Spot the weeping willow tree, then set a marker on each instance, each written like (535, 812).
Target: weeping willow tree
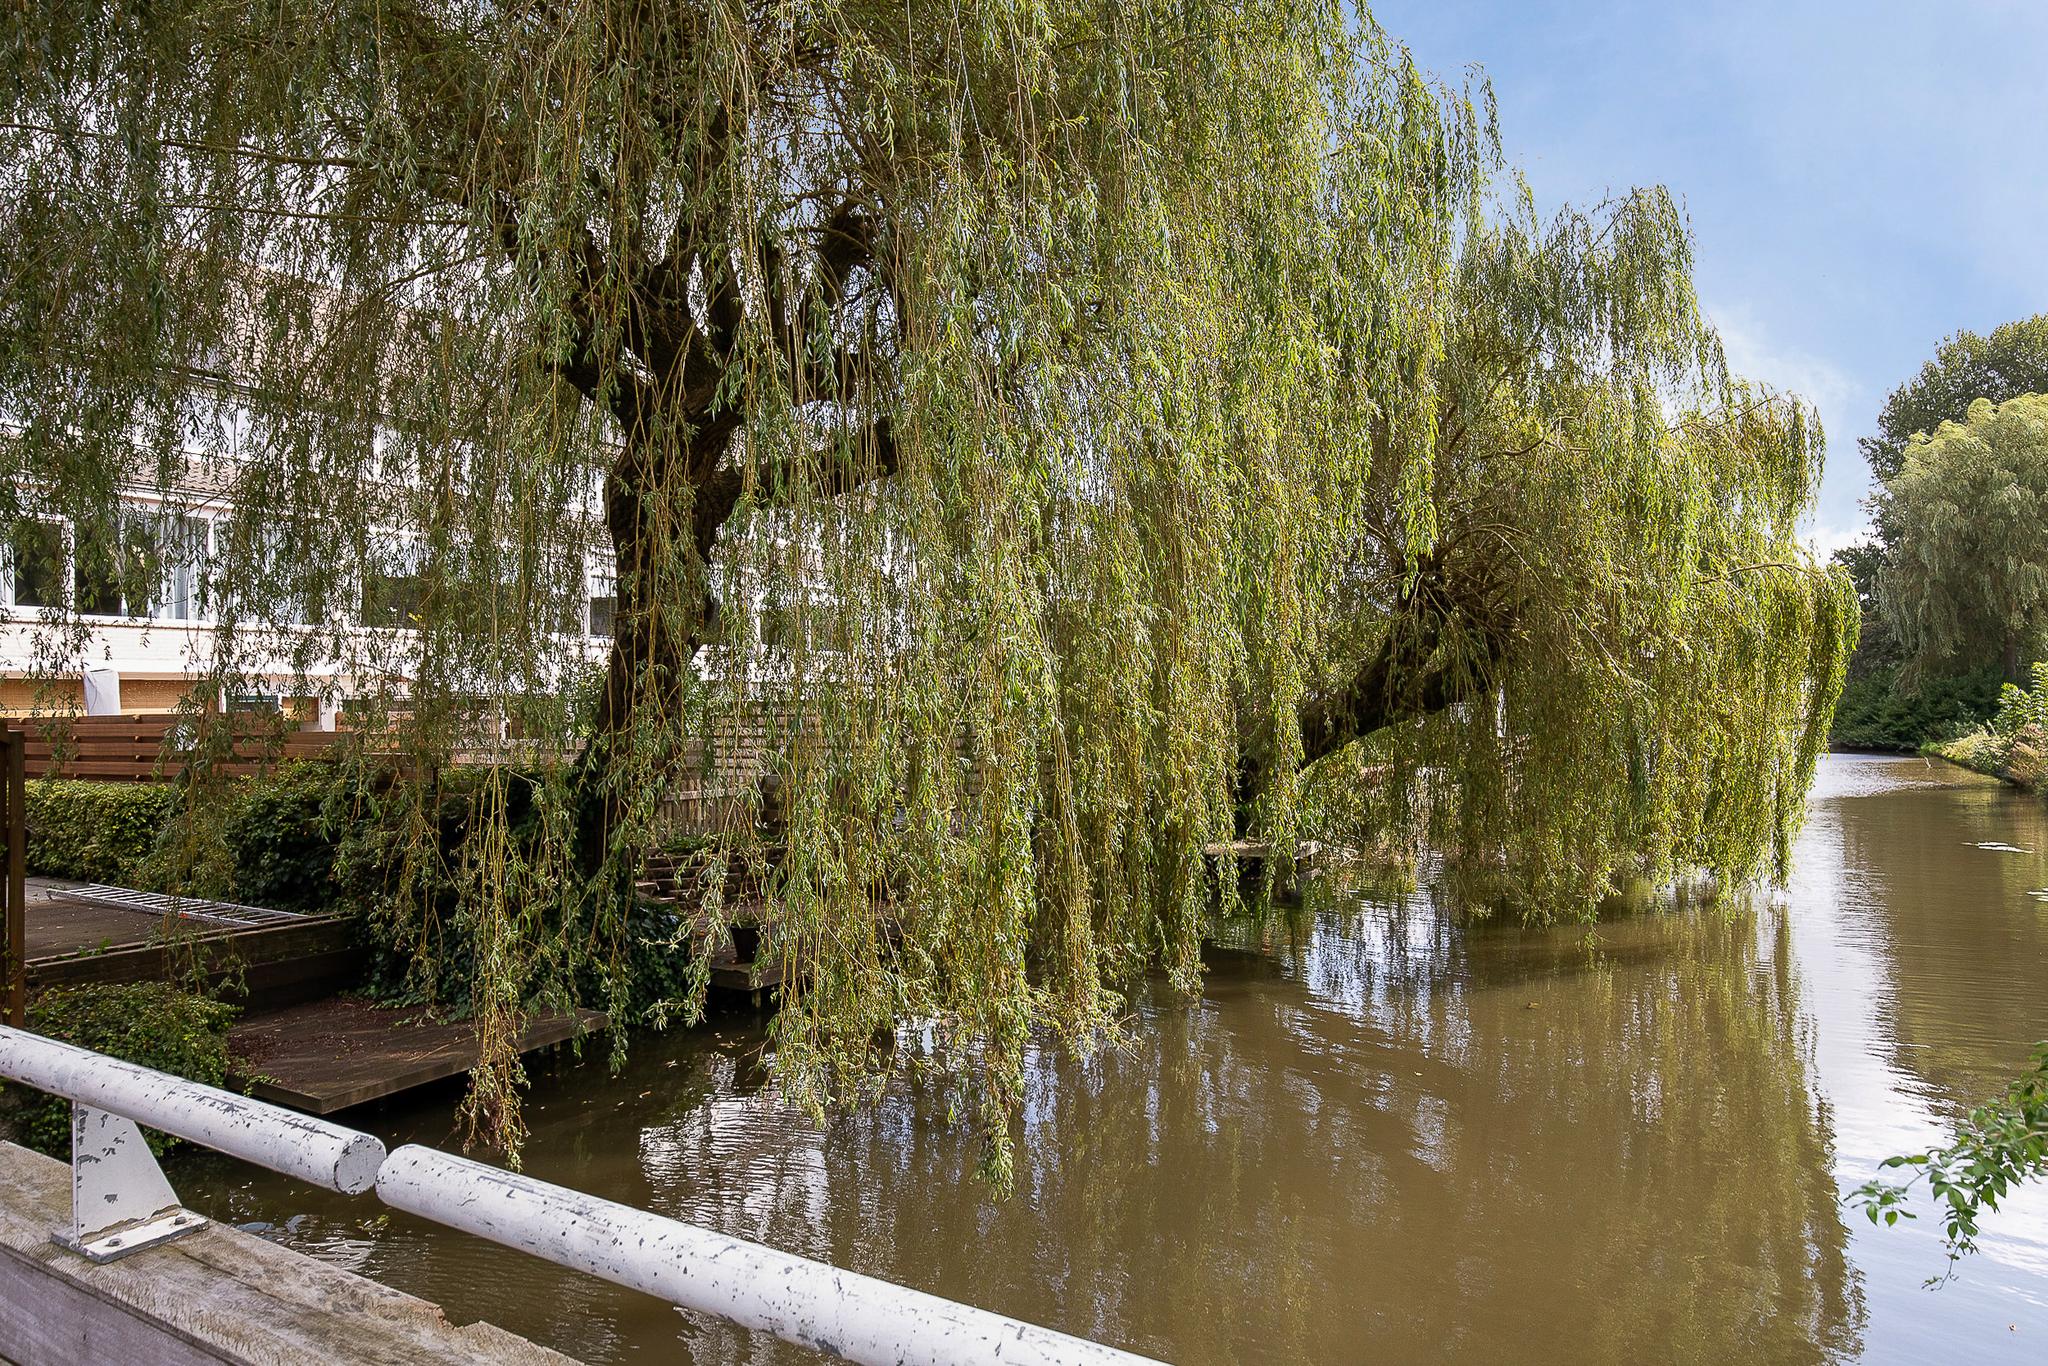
(1966, 577)
(1115, 409)
(1574, 587)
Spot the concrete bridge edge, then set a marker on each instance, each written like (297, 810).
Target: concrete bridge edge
(220, 1295)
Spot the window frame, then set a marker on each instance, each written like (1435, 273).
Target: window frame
(66, 557)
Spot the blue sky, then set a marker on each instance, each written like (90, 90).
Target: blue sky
(1863, 178)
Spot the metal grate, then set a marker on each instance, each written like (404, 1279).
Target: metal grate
(163, 906)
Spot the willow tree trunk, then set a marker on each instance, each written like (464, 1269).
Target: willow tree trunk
(1447, 637)
(665, 502)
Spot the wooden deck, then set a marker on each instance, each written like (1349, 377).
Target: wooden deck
(75, 940)
(328, 1055)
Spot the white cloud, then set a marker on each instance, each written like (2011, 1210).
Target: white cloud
(1825, 539)
(1843, 403)
(1754, 354)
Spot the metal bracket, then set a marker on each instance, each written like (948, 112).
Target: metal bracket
(120, 1201)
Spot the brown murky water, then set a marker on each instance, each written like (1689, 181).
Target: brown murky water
(1383, 1136)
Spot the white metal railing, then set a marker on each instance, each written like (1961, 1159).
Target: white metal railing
(121, 1203)
(286, 1141)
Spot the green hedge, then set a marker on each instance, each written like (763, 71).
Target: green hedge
(1875, 712)
(280, 836)
(267, 841)
(95, 832)
(151, 1023)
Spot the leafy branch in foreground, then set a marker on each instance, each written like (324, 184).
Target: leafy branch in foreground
(1996, 1146)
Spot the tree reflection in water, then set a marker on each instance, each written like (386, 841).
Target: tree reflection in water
(1385, 1134)
(1946, 865)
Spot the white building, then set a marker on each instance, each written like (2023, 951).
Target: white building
(151, 625)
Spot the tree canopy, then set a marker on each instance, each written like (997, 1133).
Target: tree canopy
(1122, 407)
(2011, 361)
(1886, 705)
(1967, 577)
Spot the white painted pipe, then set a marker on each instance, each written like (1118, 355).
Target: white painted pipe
(809, 1303)
(270, 1136)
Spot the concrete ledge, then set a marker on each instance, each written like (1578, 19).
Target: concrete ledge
(220, 1295)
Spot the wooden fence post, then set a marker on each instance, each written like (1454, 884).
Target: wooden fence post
(14, 906)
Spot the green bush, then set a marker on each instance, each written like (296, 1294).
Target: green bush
(95, 832)
(150, 1023)
(2021, 707)
(2015, 745)
(1876, 713)
(1980, 751)
(280, 837)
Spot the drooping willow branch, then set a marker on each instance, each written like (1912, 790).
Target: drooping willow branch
(1040, 434)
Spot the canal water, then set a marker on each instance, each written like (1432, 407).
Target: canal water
(1381, 1134)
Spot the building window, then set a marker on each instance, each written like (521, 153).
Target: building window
(35, 565)
(394, 590)
(781, 626)
(604, 600)
(138, 563)
(118, 565)
(282, 557)
(188, 546)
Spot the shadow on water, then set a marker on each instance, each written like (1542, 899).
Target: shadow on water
(1381, 1133)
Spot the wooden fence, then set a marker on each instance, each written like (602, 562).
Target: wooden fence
(147, 749)
(720, 775)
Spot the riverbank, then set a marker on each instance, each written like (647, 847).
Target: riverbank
(2020, 758)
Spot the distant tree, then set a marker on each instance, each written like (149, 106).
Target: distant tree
(1877, 649)
(1967, 579)
(2012, 361)
(1880, 709)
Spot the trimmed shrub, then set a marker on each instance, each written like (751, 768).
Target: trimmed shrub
(150, 1023)
(95, 832)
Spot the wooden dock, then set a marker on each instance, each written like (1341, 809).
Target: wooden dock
(77, 936)
(327, 1055)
